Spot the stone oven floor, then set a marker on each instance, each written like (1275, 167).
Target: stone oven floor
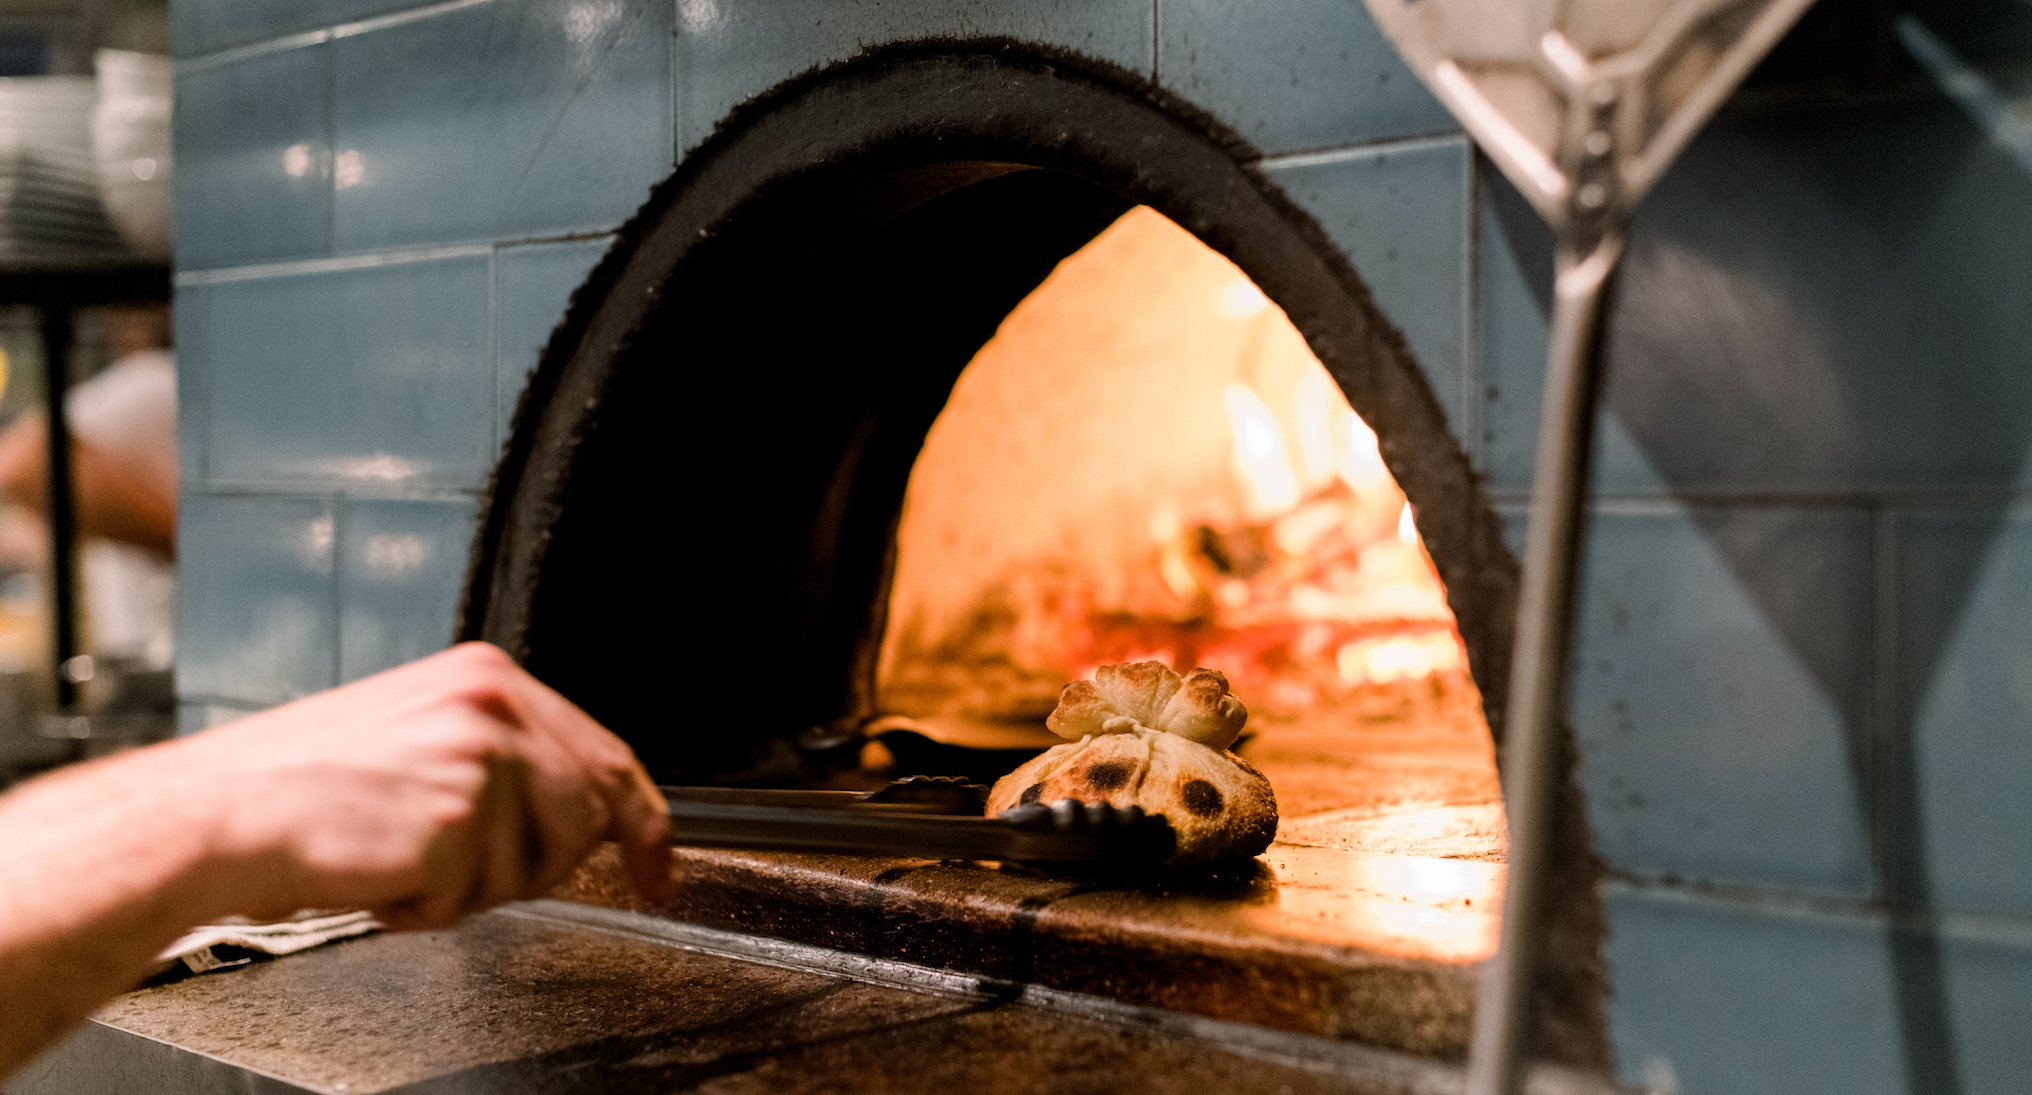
(1365, 922)
(549, 997)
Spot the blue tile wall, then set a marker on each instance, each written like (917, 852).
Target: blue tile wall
(401, 565)
(376, 378)
(1731, 1001)
(1721, 690)
(1294, 75)
(1965, 684)
(563, 111)
(1400, 212)
(534, 283)
(729, 51)
(256, 616)
(253, 159)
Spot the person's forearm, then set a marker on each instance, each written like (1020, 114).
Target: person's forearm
(103, 866)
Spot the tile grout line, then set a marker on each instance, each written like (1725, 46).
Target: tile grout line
(244, 488)
(332, 264)
(493, 348)
(1884, 726)
(674, 86)
(1156, 42)
(1855, 912)
(205, 62)
(338, 602)
(398, 18)
(329, 160)
(283, 43)
(1470, 428)
(1345, 153)
(2016, 500)
(362, 260)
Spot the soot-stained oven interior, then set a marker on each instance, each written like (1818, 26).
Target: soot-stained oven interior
(693, 530)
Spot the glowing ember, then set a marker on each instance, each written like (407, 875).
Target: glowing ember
(1259, 451)
(1381, 660)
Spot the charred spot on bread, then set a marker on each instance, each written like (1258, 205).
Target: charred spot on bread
(1031, 794)
(1202, 798)
(1110, 776)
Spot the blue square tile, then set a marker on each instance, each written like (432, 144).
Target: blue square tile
(1291, 75)
(1720, 693)
(256, 619)
(1965, 684)
(193, 392)
(728, 52)
(253, 159)
(505, 119)
(1513, 324)
(534, 284)
(1513, 319)
(1400, 214)
(373, 377)
(1728, 1001)
(1830, 299)
(1988, 984)
(402, 565)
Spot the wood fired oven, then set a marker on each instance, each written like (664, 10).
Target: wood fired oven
(692, 532)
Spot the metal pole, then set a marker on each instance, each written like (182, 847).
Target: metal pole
(63, 614)
(1538, 673)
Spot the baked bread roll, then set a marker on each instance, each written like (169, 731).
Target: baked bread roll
(1147, 737)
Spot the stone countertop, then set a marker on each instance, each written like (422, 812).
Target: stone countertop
(548, 997)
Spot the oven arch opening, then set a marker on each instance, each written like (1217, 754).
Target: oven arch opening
(691, 529)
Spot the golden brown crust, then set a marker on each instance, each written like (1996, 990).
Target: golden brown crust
(1203, 710)
(1219, 807)
(1149, 696)
(1081, 711)
(1137, 690)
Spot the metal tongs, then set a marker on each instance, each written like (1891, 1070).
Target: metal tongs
(919, 817)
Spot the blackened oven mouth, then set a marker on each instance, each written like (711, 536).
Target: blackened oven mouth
(715, 584)
(692, 531)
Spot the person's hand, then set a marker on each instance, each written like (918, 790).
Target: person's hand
(424, 793)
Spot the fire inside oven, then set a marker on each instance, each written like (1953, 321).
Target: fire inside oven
(1146, 462)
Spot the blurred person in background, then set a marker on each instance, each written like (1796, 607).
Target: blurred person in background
(124, 486)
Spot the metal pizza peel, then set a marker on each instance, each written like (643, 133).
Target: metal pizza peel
(1583, 105)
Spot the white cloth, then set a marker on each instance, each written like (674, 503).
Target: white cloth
(200, 948)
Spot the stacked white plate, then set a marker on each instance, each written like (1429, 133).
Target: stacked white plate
(130, 139)
(52, 204)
